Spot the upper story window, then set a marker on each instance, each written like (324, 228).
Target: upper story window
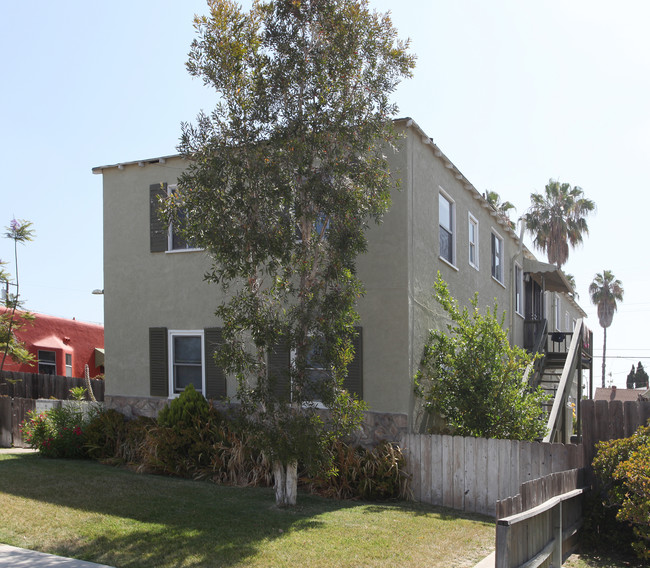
(163, 238)
(319, 229)
(446, 222)
(519, 290)
(473, 240)
(175, 241)
(497, 257)
(68, 364)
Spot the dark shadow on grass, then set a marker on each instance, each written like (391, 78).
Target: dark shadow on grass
(593, 559)
(181, 521)
(422, 509)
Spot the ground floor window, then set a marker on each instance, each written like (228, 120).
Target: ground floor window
(46, 362)
(186, 360)
(316, 371)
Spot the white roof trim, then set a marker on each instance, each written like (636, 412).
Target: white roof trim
(140, 163)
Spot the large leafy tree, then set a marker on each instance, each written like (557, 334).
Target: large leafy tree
(283, 178)
(605, 292)
(472, 377)
(557, 219)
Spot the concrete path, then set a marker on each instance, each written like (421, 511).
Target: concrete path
(22, 558)
(487, 562)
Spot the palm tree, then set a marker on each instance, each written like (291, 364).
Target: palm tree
(571, 279)
(556, 219)
(502, 208)
(605, 291)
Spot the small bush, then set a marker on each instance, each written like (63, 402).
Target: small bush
(57, 433)
(184, 411)
(78, 393)
(621, 514)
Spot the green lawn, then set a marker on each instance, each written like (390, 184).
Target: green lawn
(112, 516)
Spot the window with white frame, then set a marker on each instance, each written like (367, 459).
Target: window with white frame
(186, 361)
(497, 257)
(519, 290)
(446, 222)
(315, 371)
(473, 240)
(68, 364)
(175, 240)
(46, 362)
(557, 312)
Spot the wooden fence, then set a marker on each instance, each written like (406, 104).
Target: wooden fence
(539, 526)
(12, 413)
(472, 474)
(609, 420)
(32, 385)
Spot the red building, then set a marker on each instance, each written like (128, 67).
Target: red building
(60, 346)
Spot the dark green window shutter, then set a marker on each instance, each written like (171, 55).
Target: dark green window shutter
(279, 359)
(353, 383)
(159, 232)
(215, 378)
(158, 371)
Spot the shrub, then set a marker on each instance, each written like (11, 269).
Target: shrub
(184, 411)
(57, 433)
(472, 377)
(78, 393)
(622, 469)
(110, 438)
(358, 473)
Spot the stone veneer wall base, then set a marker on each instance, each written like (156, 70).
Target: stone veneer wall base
(375, 427)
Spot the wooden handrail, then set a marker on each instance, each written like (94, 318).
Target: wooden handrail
(570, 366)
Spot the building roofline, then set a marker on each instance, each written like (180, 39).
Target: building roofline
(475, 193)
(141, 163)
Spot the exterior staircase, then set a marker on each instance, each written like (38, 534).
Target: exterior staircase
(562, 358)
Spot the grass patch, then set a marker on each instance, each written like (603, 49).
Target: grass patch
(112, 516)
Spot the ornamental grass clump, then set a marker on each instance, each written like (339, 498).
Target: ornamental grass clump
(59, 432)
(358, 473)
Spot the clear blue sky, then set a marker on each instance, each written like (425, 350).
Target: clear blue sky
(513, 92)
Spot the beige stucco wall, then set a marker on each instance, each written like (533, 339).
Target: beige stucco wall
(141, 289)
(144, 289)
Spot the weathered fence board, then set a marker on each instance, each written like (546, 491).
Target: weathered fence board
(20, 408)
(32, 385)
(539, 525)
(472, 474)
(5, 422)
(609, 420)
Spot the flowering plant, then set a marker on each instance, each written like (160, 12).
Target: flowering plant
(57, 433)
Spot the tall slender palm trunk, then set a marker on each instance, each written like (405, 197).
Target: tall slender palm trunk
(604, 348)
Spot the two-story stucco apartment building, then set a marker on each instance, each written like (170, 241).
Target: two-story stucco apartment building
(156, 301)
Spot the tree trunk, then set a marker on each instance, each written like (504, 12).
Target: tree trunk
(286, 483)
(604, 347)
